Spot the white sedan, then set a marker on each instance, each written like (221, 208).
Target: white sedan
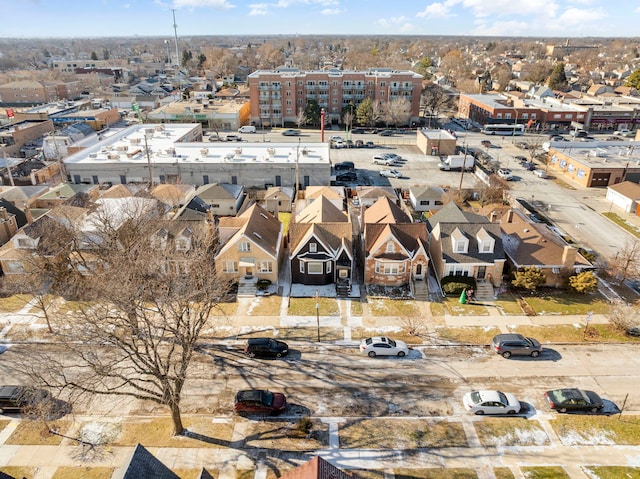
(382, 346)
(391, 173)
(491, 402)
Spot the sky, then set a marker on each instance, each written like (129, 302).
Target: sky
(126, 18)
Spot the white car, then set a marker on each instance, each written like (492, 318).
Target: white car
(540, 173)
(491, 402)
(383, 346)
(623, 132)
(335, 138)
(382, 160)
(505, 174)
(390, 173)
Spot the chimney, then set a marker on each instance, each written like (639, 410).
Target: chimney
(4, 214)
(510, 216)
(494, 217)
(27, 213)
(569, 257)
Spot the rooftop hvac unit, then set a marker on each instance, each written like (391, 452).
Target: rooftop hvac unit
(113, 156)
(122, 148)
(271, 151)
(159, 127)
(171, 151)
(238, 151)
(93, 155)
(204, 151)
(135, 141)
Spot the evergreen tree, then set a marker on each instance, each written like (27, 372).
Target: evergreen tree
(584, 282)
(633, 80)
(312, 112)
(557, 79)
(94, 56)
(529, 278)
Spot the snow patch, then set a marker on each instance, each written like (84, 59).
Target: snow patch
(522, 437)
(594, 437)
(98, 432)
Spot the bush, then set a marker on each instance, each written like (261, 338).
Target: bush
(454, 285)
(263, 284)
(304, 425)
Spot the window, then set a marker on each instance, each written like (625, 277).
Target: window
(315, 267)
(343, 273)
(507, 116)
(390, 268)
(555, 270)
(383, 83)
(230, 266)
(438, 203)
(486, 247)
(389, 247)
(301, 267)
(215, 206)
(461, 246)
(328, 267)
(424, 202)
(266, 267)
(580, 173)
(244, 246)
(313, 247)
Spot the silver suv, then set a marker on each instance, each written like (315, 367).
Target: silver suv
(516, 344)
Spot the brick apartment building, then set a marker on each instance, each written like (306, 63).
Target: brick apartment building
(31, 92)
(278, 95)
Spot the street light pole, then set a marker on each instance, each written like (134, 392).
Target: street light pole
(318, 315)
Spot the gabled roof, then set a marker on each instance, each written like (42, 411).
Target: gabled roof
(222, 191)
(385, 211)
(21, 218)
(627, 189)
(411, 236)
(121, 191)
(255, 224)
(422, 192)
(22, 193)
(173, 195)
(278, 191)
(365, 192)
(534, 244)
(450, 213)
(318, 468)
(332, 235)
(321, 210)
(143, 465)
(331, 192)
(66, 190)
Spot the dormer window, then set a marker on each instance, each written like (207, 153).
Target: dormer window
(459, 242)
(390, 247)
(486, 243)
(313, 247)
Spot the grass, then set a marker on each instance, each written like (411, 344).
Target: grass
(401, 334)
(19, 471)
(453, 307)
(622, 223)
(283, 436)
(393, 307)
(368, 474)
(158, 433)
(310, 333)
(586, 429)
(225, 309)
(14, 303)
(285, 219)
(65, 472)
(467, 334)
(192, 473)
(438, 309)
(356, 307)
(613, 472)
(265, 306)
(37, 433)
(307, 306)
(568, 333)
(548, 472)
(401, 434)
(434, 473)
(568, 303)
(503, 473)
(508, 303)
(510, 432)
(3, 423)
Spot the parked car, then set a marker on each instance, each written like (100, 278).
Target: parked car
(348, 144)
(573, 399)
(540, 173)
(513, 344)
(337, 144)
(357, 130)
(383, 160)
(247, 129)
(529, 166)
(520, 158)
(370, 144)
(18, 398)
(486, 143)
(505, 174)
(390, 173)
(491, 402)
(335, 138)
(579, 133)
(259, 401)
(623, 132)
(291, 132)
(386, 133)
(234, 138)
(523, 145)
(383, 346)
(359, 144)
(266, 348)
(344, 165)
(347, 177)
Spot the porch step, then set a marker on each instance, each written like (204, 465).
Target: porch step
(420, 291)
(484, 291)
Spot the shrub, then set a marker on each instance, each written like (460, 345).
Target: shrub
(263, 284)
(304, 425)
(454, 285)
(584, 282)
(529, 278)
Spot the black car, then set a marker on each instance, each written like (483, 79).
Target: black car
(266, 348)
(19, 398)
(386, 133)
(344, 165)
(347, 177)
(358, 131)
(574, 399)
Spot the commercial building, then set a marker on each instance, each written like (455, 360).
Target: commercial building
(212, 113)
(278, 95)
(174, 153)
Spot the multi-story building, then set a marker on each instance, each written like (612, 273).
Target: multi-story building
(30, 92)
(277, 96)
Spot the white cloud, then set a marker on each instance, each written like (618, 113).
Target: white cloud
(396, 24)
(578, 16)
(218, 4)
(484, 8)
(438, 9)
(505, 28)
(331, 11)
(258, 9)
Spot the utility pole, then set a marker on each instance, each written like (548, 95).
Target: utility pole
(297, 170)
(148, 153)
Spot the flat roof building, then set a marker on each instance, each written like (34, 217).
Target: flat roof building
(172, 153)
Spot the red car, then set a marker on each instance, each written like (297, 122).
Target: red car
(259, 401)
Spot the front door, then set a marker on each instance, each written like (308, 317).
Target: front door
(419, 270)
(248, 271)
(482, 271)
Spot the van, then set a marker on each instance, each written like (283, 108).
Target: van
(247, 129)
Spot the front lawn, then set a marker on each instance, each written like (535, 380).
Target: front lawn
(307, 306)
(393, 307)
(467, 334)
(202, 432)
(510, 432)
(582, 429)
(549, 472)
(612, 472)
(36, 432)
(284, 435)
(574, 333)
(567, 303)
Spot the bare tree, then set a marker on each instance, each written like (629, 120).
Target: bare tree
(147, 289)
(626, 263)
(434, 100)
(301, 118)
(397, 111)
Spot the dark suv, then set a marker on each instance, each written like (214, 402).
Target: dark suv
(18, 398)
(344, 165)
(516, 345)
(266, 348)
